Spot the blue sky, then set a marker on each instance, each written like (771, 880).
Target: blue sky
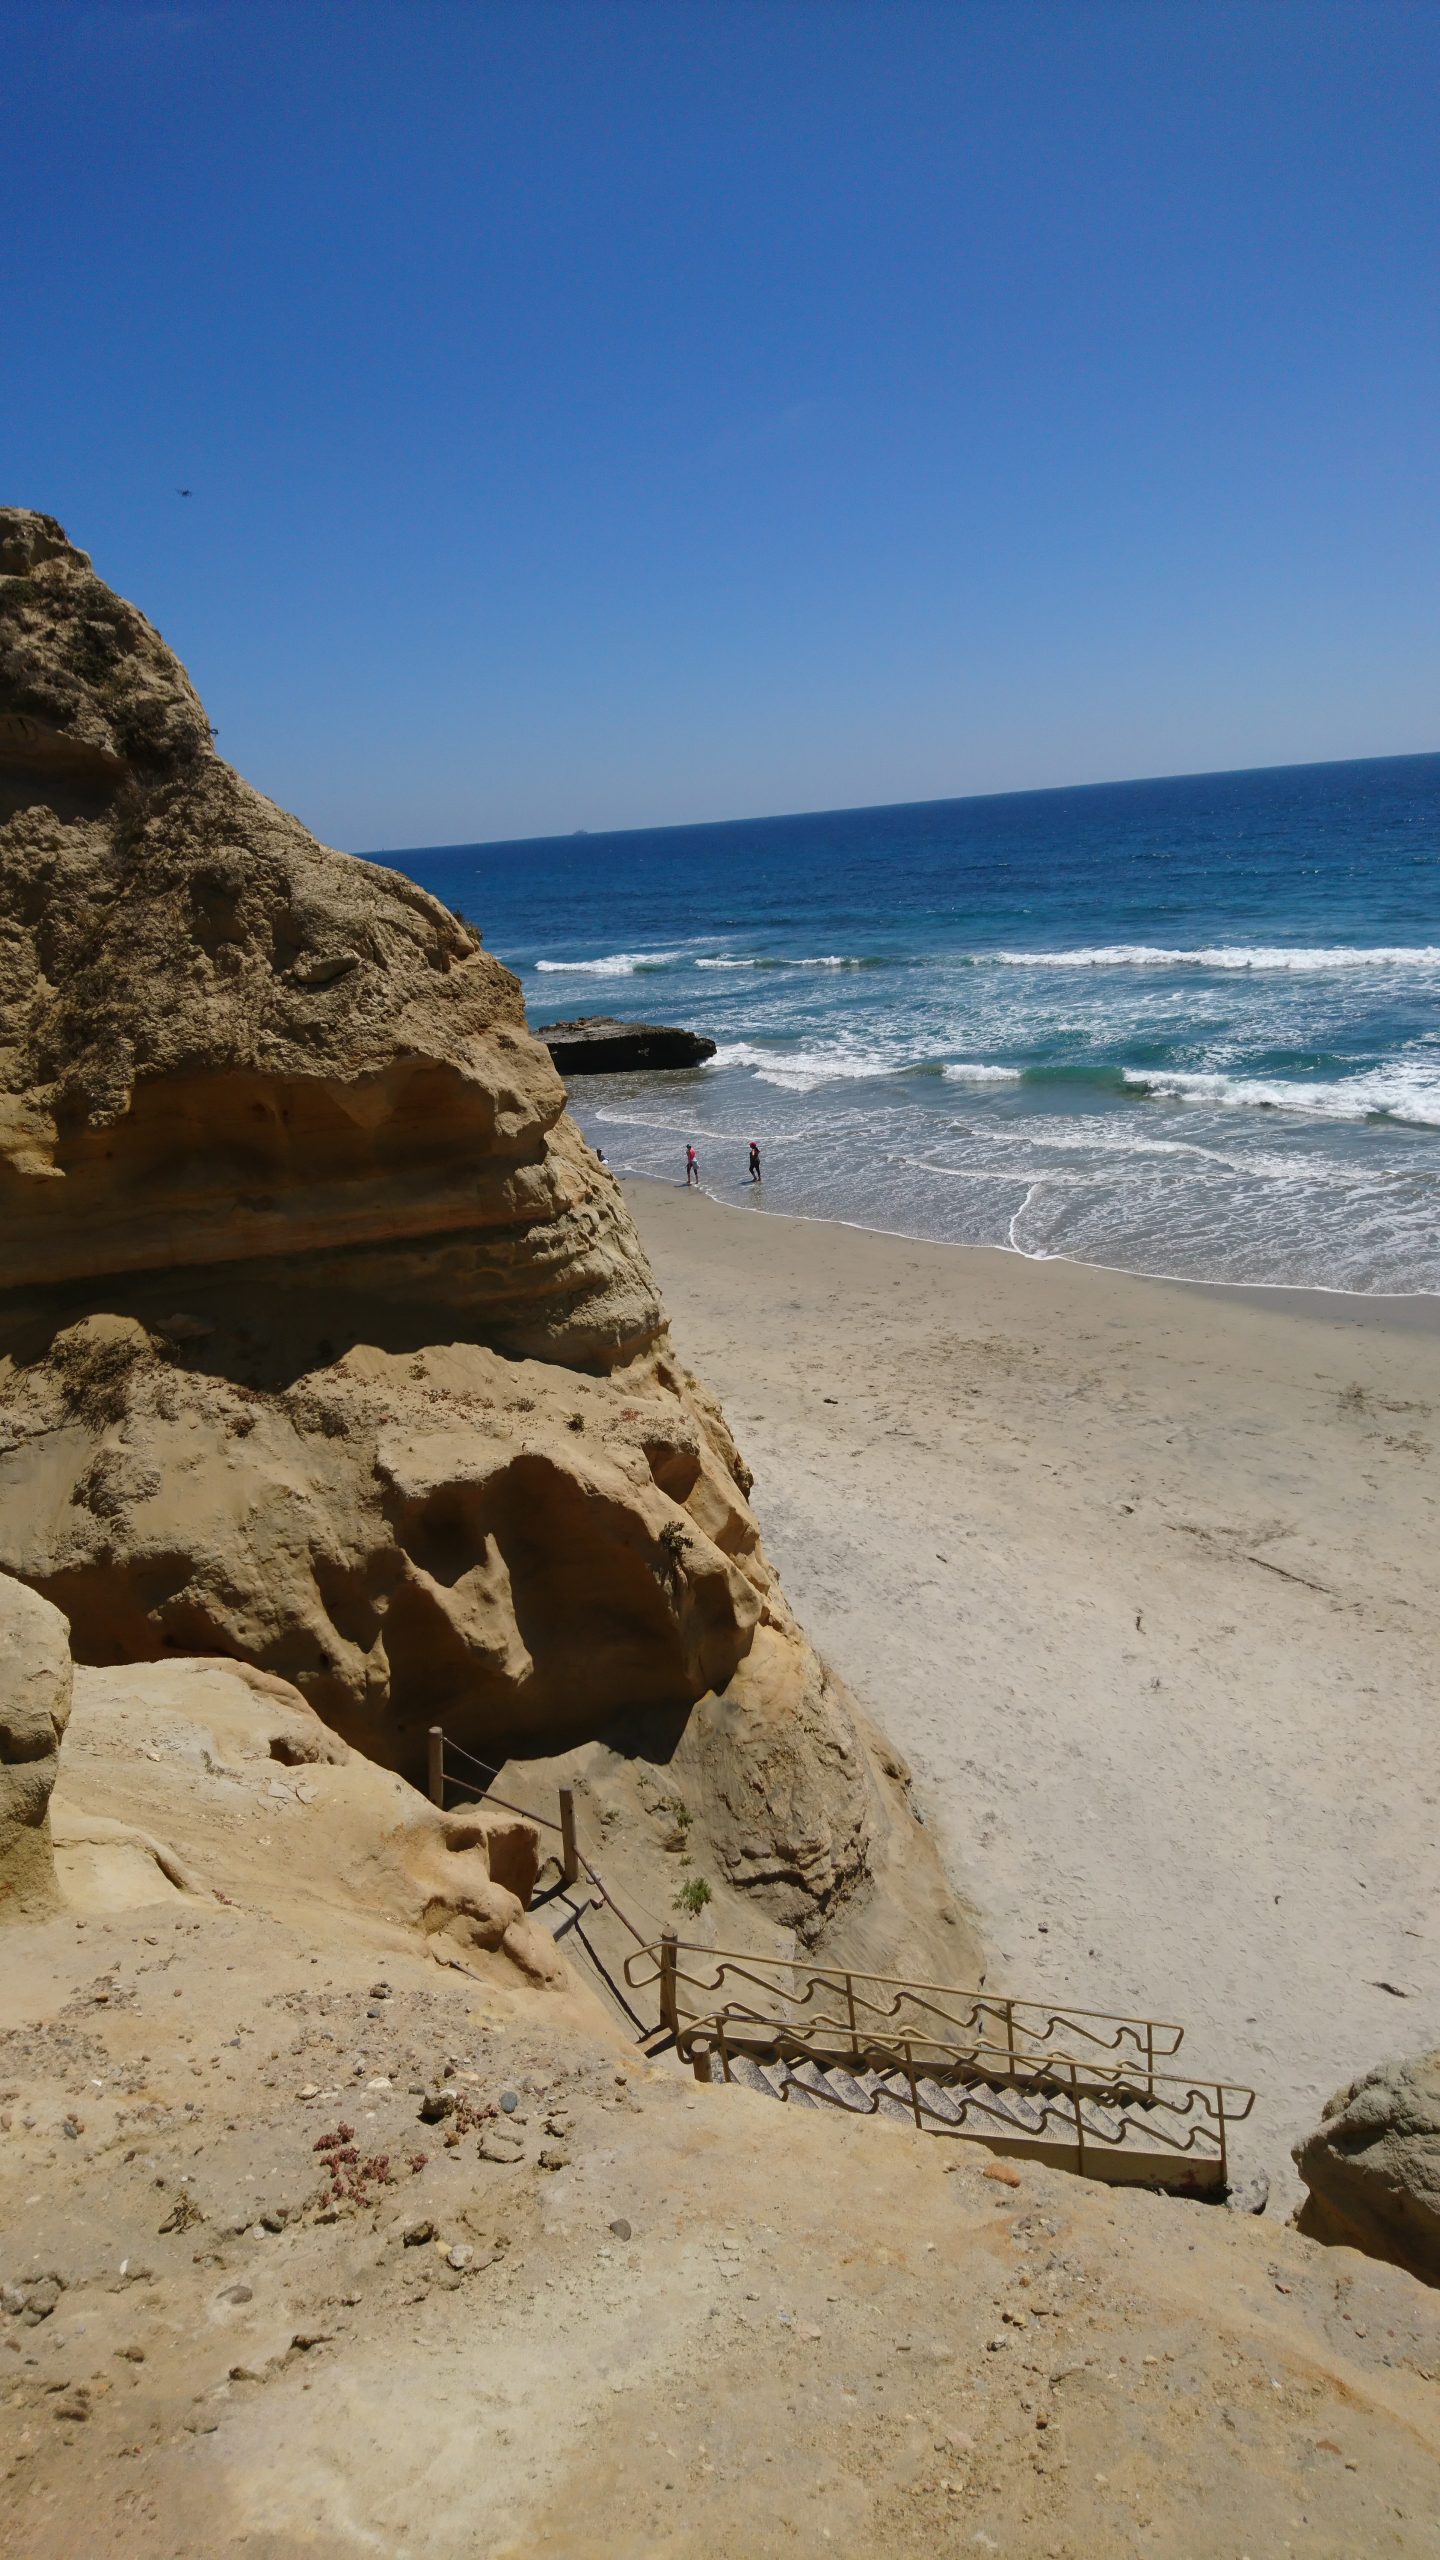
(607, 414)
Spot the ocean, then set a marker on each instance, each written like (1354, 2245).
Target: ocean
(1188, 1027)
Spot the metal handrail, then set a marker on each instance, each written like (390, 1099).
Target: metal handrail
(903, 1982)
(1053, 2084)
(991, 2064)
(1030, 2062)
(1026, 2023)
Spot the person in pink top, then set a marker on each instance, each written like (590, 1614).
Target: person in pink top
(692, 1168)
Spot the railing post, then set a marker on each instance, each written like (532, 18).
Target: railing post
(701, 2058)
(436, 1741)
(1079, 2119)
(850, 2002)
(1220, 2111)
(1150, 2059)
(910, 2075)
(1010, 2035)
(669, 2005)
(569, 1850)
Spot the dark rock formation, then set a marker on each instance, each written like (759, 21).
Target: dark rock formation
(597, 1045)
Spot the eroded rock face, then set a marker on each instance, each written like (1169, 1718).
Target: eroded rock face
(1372, 2166)
(199, 1748)
(229, 1051)
(542, 1562)
(326, 1343)
(35, 1682)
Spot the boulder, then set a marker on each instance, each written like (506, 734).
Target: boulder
(597, 1045)
(1372, 2166)
(35, 1684)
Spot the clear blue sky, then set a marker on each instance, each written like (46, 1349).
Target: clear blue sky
(602, 413)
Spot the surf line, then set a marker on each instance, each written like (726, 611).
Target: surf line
(1015, 1245)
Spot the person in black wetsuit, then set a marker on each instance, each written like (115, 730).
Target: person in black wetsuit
(755, 1173)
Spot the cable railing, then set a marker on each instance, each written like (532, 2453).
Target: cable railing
(573, 1862)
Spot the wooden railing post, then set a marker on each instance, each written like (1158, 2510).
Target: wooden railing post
(436, 1739)
(569, 1850)
(669, 2005)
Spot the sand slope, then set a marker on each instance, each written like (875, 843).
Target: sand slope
(1142, 1579)
(623, 2316)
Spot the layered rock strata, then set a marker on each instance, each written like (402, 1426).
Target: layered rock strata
(227, 1047)
(326, 1343)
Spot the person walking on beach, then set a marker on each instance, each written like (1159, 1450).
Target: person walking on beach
(692, 1168)
(755, 1173)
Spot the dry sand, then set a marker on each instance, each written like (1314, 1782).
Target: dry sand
(1142, 1578)
(623, 2319)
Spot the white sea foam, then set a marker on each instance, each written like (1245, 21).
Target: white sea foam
(801, 1070)
(963, 1071)
(1228, 955)
(1408, 1093)
(789, 960)
(619, 964)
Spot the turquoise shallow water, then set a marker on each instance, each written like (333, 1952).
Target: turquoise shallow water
(1188, 1027)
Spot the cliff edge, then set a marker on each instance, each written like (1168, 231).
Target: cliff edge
(327, 1345)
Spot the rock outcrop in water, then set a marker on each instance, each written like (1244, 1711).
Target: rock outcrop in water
(326, 1343)
(595, 1044)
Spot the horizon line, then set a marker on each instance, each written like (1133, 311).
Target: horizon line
(882, 808)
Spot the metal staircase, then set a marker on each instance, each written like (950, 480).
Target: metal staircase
(1077, 2089)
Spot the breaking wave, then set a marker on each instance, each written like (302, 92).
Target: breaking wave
(1409, 1094)
(1227, 955)
(619, 964)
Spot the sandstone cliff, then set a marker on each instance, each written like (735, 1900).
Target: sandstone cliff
(326, 1343)
(35, 1684)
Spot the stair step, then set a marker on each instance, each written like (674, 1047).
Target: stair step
(1007, 2112)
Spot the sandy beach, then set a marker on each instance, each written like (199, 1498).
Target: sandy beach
(1142, 1579)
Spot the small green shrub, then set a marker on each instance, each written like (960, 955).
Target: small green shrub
(692, 1897)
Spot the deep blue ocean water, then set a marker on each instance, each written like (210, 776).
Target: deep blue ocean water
(1189, 1027)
